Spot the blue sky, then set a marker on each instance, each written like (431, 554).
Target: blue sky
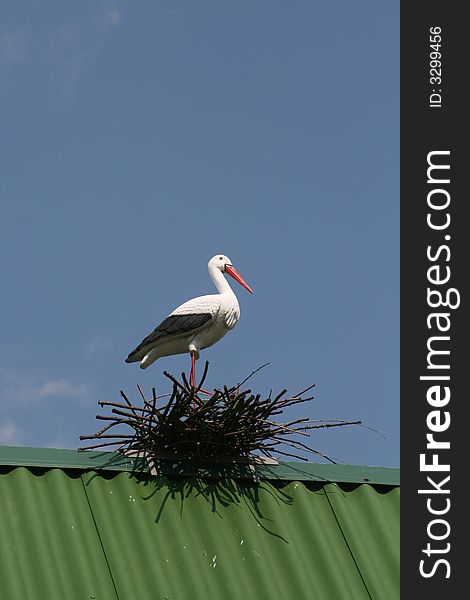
(140, 139)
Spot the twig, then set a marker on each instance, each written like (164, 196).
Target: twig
(231, 422)
(251, 374)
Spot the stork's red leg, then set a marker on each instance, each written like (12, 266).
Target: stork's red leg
(192, 375)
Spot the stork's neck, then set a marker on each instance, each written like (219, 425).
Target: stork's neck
(222, 285)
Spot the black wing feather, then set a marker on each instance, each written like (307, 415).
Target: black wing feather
(172, 325)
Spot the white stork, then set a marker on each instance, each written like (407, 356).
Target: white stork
(196, 324)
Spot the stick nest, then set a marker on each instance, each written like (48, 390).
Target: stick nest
(229, 424)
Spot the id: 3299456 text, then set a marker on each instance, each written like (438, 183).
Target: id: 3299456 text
(435, 67)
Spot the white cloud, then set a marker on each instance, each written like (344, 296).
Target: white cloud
(24, 389)
(64, 389)
(69, 52)
(10, 433)
(66, 46)
(61, 441)
(14, 48)
(98, 345)
(14, 45)
(109, 16)
(74, 45)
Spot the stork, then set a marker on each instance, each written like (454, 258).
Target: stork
(196, 324)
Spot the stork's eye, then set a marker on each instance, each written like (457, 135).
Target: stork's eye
(221, 258)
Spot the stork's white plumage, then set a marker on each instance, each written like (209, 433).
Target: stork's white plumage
(196, 324)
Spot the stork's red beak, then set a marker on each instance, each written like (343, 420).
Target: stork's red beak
(230, 270)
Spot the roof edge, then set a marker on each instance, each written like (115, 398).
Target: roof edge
(49, 458)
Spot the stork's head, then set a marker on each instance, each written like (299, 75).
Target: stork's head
(224, 264)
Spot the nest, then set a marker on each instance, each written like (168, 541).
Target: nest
(230, 423)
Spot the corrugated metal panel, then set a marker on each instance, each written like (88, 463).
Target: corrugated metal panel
(228, 540)
(111, 535)
(370, 519)
(49, 546)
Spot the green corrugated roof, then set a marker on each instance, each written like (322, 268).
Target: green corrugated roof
(114, 461)
(74, 529)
